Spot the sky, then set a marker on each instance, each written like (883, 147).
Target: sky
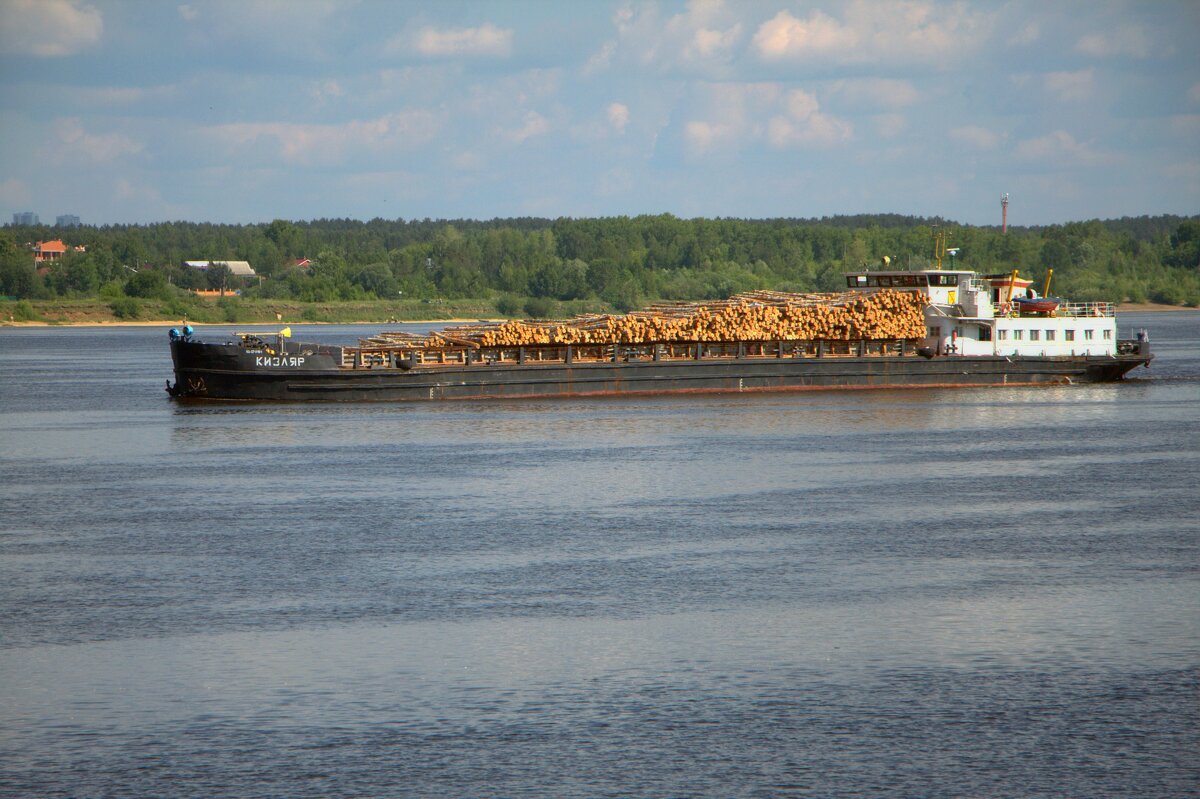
(246, 111)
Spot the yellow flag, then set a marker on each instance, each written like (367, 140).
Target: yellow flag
(286, 332)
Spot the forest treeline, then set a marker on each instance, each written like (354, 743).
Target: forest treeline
(525, 265)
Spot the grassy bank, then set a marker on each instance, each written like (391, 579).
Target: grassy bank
(237, 310)
(127, 310)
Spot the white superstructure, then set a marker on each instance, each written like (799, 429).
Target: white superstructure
(970, 315)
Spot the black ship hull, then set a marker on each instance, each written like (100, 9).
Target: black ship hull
(220, 372)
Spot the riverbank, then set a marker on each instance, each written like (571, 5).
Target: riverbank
(151, 313)
(235, 310)
(226, 325)
(1150, 307)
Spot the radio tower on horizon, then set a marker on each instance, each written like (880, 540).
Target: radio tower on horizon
(1004, 214)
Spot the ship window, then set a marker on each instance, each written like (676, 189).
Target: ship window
(1087, 334)
(1107, 334)
(856, 281)
(1034, 335)
(933, 331)
(906, 280)
(1002, 335)
(985, 333)
(1049, 335)
(943, 280)
(884, 280)
(1069, 335)
(1018, 335)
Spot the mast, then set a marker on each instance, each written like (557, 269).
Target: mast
(939, 246)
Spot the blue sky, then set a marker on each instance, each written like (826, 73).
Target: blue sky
(252, 110)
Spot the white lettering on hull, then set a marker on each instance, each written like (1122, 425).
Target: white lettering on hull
(278, 360)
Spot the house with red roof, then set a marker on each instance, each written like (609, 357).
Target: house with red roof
(49, 250)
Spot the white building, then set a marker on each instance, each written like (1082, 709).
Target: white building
(236, 268)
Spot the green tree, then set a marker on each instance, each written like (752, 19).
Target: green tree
(148, 283)
(217, 277)
(74, 275)
(561, 280)
(18, 277)
(377, 279)
(1184, 248)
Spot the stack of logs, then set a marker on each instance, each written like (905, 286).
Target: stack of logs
(752, 316)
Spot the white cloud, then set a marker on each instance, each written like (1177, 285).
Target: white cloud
(698, 32)
(703, 136)
(747, 113)
(701, 38)
(618, 116)
(735, 114)
(1059, 146)
(486, 40)
(1122, 41)
(601, 60)
(331, 144)
(86, 99)
(74, 144)
(1027, 35)
(534, 125)
(503, 102)
(325, 90)
(709, 43)
(48, 27)
(1072, 86)
(14, 191)
(125, 191)
(895, 31)
(282, 28)
(976, 137)
(803, 123)
(785, 36)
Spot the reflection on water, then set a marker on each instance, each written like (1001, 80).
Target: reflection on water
(937, 593)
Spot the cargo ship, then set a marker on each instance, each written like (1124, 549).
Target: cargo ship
(890, 328)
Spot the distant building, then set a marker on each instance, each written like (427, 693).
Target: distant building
(49, 251)
(66, 220)
(303, 263)
(46, 251)
(236, 268)
(26, 218)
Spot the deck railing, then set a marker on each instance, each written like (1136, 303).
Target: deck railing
(1086, 309)
(392, 357)
(1097, 309)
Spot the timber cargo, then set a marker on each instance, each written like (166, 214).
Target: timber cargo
(890, 328)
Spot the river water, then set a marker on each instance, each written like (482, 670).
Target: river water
(984, 593)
